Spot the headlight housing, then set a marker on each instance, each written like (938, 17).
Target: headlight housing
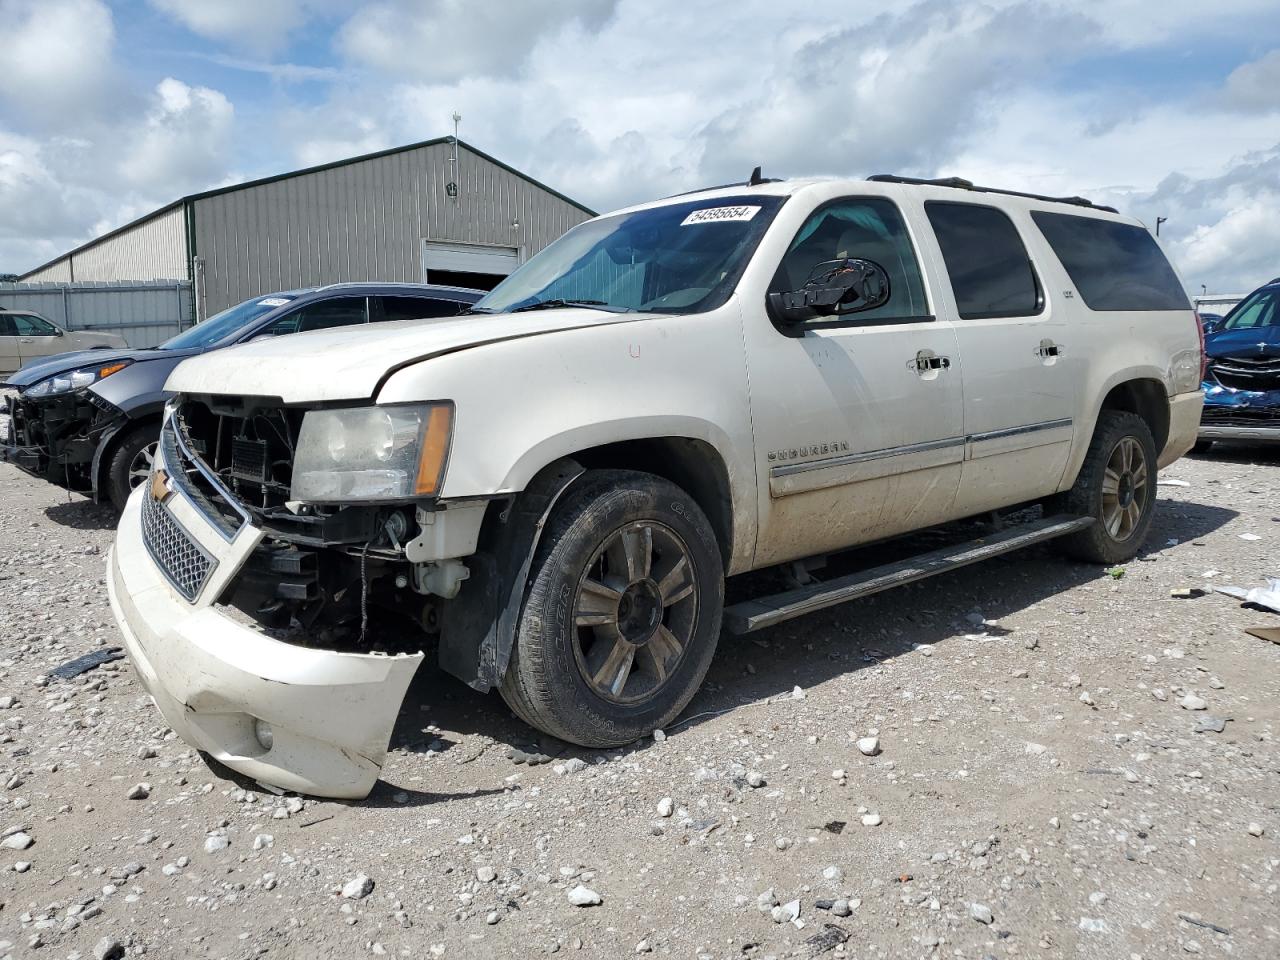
(76, 379)
(393, 452)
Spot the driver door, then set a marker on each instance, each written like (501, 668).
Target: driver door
(858, 419)
(36, 337)
(9, 358)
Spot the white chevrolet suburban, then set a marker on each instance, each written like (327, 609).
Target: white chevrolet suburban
(552, 489)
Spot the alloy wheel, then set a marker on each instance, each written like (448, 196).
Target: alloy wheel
(140, 466)
(1124, 488)
(635, 612)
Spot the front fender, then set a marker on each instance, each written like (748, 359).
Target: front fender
(478, 627)
(597, 434)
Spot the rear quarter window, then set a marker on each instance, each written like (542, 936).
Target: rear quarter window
(1114, 266)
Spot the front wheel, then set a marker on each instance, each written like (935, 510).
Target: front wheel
(1117, 487)
(130, 463)
(622, 612)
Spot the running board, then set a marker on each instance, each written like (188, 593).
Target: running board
(751, 615)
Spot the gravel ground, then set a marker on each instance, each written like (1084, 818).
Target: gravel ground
(1044, 786)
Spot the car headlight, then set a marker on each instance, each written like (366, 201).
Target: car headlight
(372, 453)
(74, 379)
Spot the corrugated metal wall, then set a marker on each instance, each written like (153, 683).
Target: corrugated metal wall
(365, 221)
(145, 314)
(153, 250)
(1220, 303)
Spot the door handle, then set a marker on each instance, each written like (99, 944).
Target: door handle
(26, 340)
(926, 360)
(1048, 348)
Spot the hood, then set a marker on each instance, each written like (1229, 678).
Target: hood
(45, 367)
(349, 363)
(1258, 342)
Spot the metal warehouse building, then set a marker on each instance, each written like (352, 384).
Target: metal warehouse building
(439, 211)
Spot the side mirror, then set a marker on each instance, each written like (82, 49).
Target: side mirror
(834, 288)
(58, 331)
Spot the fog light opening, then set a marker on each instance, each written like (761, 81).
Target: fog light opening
(262, 730)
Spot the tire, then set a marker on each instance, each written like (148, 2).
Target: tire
(130, 462)
(1123, 509)
(1202, 446)
(611, 646)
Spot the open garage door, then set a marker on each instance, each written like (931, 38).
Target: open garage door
(480, 265)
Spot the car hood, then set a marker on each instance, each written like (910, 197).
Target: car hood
(349, 363)
(45, 367)
(1259, 342)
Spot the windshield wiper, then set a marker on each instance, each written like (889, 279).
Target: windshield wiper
(470, 310)
(552, 304)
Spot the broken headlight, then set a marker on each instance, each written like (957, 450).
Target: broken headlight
(372, 453)
(74, 379)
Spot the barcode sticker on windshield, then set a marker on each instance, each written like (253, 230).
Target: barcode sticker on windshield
(273, 302)
(719, 215)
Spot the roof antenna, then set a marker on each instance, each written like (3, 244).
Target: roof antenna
(756, 179)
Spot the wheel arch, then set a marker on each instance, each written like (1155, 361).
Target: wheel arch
(112, 439)
(687, 451)
(1140, 392)
(1146, 398)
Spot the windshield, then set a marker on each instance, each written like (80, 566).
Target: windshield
(1260, 309)
(228, 321)
(678, 258)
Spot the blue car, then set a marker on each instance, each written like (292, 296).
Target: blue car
(1242, 372)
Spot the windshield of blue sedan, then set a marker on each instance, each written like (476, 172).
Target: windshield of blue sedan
(223, 324)
(1259, 309)
(677, 258)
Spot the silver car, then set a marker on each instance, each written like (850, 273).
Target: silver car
(27, 336)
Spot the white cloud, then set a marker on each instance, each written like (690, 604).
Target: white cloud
(614, 101)
(183, 144)
(442, 40)
(258, 25)
(55, 59)
(1255, 86)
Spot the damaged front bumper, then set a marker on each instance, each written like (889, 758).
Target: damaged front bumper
(56, 438)
(1242, 416)
(302, 719)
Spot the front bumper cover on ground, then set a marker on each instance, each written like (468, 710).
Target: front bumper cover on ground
(216, 680)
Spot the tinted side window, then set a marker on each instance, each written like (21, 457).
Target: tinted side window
(29, 326)
(1115, 266)
(991, 273)
(414, 308)
(870, 228)
(340, 312)
(7, 329)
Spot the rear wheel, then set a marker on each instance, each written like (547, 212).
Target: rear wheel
(131, 462)
(622, 613)
(1117, 487)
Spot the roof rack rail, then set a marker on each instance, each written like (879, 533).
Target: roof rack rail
(753, 181)
(960, 183)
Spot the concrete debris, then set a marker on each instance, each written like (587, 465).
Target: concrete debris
(581, 896)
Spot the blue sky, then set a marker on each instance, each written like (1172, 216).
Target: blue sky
(108, 110)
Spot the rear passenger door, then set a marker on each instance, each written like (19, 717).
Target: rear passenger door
(1014, 349)
(319, 315)
(411, 308)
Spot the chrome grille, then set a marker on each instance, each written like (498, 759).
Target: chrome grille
(184, 562)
